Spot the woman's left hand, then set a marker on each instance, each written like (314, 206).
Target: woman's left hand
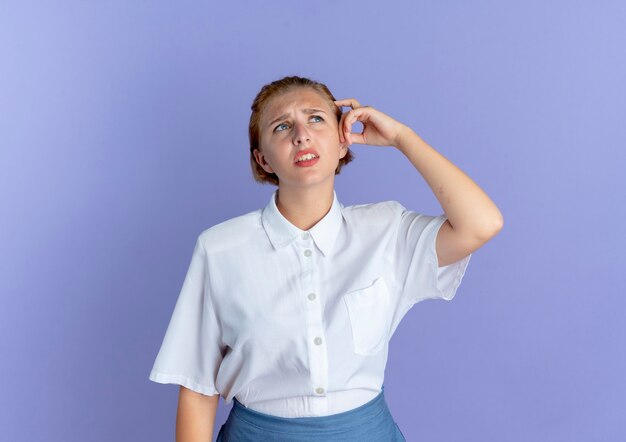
(379, 129)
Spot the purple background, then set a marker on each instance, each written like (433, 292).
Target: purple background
(123, 135)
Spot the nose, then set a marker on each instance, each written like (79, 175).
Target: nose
(300, 134)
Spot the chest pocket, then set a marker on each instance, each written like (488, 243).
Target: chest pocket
(368, 309)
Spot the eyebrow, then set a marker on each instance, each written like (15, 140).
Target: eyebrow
(306, 111)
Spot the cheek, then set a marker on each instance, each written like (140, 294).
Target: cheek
(331, 130)
(335, 135)
(268, 158)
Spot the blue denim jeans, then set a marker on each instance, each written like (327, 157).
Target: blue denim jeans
(371, 421)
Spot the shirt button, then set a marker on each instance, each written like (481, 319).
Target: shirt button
(305, 235)
(319, 390)
(307, 253)
(317, 340)
(311, 296)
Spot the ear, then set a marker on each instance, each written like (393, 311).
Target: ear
(343, 149)
(260, 159)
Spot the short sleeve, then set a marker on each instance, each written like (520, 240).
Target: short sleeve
(190, 354)
(416, 266)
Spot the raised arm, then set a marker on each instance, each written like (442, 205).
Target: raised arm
(473, 219)
(196, 416)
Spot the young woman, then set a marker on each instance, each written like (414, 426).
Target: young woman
(287, 311)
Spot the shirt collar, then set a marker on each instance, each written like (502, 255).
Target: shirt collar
(281, 232)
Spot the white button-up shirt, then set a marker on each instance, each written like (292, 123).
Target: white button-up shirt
(297, 323)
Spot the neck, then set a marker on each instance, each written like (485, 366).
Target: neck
(304, 207)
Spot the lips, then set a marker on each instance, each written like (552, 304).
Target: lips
(304, 152)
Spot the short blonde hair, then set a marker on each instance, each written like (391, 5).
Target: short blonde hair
(268, 92)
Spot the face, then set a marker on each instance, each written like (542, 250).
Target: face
(294, 123)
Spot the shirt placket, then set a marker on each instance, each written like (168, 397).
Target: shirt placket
(316, 339)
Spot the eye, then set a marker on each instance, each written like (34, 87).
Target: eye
(277, 128)
(317, 116)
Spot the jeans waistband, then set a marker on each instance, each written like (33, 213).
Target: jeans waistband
(340, 421)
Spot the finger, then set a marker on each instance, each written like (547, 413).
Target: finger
(348, 102)
(352, 102)
(339, 103)
(340, 128)
(358, 138)
(350, 118)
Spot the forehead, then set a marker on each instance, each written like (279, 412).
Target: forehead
(293, 100)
